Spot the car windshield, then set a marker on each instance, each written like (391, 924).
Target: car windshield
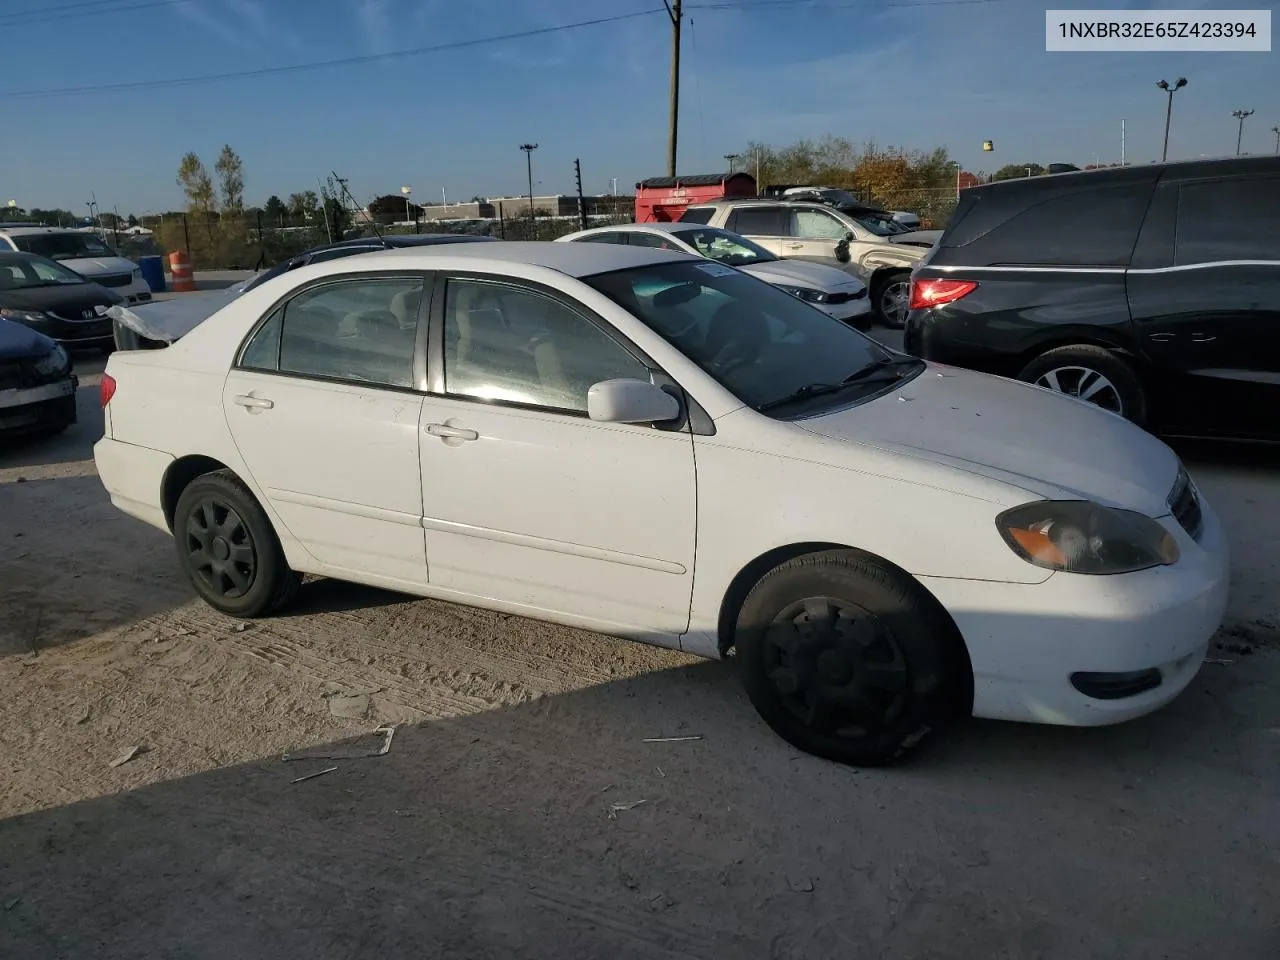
(63, 246)
(881, 228)
(23, 273)
(724, 246)
(769, 349)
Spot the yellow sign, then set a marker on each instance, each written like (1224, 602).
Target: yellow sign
(988, 145)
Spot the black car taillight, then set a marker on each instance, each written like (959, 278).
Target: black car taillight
(936, 291)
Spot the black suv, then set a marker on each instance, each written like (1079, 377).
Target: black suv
(1152, 291)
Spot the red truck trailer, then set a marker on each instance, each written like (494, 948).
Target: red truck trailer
(663, 199)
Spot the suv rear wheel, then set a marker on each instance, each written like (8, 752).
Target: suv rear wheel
(1094, 374)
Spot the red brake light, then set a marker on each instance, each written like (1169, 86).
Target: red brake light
(108, 388)
(936, 291)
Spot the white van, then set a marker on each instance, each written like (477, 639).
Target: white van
(82, 251)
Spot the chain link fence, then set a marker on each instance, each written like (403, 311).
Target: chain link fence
(253, 241)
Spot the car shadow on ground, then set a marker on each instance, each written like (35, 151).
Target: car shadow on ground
(553, 829)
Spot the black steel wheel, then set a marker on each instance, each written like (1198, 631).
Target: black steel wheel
(228, 549)
(848, 659)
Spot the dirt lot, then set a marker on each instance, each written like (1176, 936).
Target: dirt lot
(488, 829)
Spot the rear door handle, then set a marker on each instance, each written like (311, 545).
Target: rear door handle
(795, 246)
(450, 432)
(253, 403)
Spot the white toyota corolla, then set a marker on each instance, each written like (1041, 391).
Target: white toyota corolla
(664, 448)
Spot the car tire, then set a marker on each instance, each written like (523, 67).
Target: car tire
(229, 550)
(848, 659)
(889, 296)
(1080, 368)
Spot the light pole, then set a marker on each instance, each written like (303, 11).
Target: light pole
(1240, 115)
(959, 167)
(406, 190)
(1276, 131)
(1168, 112)
(528, 149)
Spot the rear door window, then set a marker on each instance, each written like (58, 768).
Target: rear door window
(1222, 220)
(1082, 227)
(760, 221)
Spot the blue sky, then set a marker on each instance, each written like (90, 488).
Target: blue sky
(896, 72)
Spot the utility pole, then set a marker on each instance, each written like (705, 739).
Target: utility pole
(528, 149)
(732, 158)
(1276, 131)
(676, 12)
(1240, 115)
(1122, 141)
(1170, 89)
(582, 204)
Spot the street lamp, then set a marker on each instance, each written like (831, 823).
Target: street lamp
(1240, 115)
(959, 167)
(1168, 113)
(528, 149)
(406, 190)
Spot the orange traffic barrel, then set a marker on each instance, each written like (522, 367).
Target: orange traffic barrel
(183, 279)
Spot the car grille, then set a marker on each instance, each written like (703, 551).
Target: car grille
(845, 297)
(1184, 502)
(114, 279)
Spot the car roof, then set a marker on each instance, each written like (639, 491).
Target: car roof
(1134, 173)
(26, 231)
(571, 259)
(22, 255)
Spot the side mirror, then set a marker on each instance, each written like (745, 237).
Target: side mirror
(630, 401)
(850, 236)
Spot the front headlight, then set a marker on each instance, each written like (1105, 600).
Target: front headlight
(807, 295)
(24, 316)
(1076, 536)
(55, 361)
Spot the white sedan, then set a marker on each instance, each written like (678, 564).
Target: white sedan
(663, 448)
(831, 290)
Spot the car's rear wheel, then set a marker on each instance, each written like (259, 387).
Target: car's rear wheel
(848, 659)
(890, 295)
(1093, 374)
(228, 549)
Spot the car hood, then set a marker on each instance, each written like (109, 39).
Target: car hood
(99, 266)
(929, 237)
(20, 343)
(803, 272)
(68, 300)
(1049, 445)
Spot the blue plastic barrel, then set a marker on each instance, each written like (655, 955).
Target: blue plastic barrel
(153, 272)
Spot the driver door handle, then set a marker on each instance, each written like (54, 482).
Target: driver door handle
(253, 403)
(451, 432)
(795, 246)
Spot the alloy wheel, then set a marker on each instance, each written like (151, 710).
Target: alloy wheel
(1084, 383)
(220, 549)
(836, 667)
(893, 302)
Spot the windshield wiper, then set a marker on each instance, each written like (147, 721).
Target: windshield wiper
(804, 393)
(885, 368)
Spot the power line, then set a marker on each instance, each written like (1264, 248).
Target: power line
(882, 7)
(84, 8)
(319, 64)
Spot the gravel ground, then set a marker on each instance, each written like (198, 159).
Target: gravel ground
(490, 829)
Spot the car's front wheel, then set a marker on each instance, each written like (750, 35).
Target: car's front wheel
(846, 658)
(890, 295)
(1091, 373)
(228, 549)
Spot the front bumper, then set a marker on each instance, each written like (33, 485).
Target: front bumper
(51, 406)
(77, 333)
(1027, 641)
(856, 313)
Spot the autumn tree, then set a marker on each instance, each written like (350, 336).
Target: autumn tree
(196, 184)
(230, 170)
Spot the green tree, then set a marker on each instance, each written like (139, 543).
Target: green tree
(196, 184)
(275, 210)
(1012, 171)
(304, 205)
(131, 220)
(230, 170)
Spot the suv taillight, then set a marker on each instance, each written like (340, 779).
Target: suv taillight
(107, 390)
(935, 291)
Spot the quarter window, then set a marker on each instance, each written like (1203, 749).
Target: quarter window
(638, 239)
(507, 343)
(1228, 220)
(355, 330)
(817, 225)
